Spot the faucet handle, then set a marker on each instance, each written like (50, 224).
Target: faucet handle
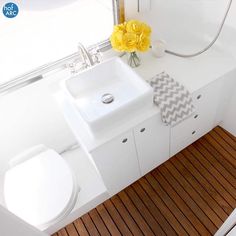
(76, 66)
(96, 55)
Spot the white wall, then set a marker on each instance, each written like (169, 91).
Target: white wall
(229, 117)
(186, 25)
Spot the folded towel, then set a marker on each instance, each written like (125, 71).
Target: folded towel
(174, 101)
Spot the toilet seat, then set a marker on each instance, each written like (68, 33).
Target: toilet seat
(41, 190)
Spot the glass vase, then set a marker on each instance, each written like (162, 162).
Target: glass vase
(133, 60)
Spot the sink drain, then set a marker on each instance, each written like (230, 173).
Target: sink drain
(107, 98)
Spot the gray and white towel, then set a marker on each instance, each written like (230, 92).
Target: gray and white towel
(174, 101)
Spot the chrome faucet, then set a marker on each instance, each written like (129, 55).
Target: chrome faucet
(86, 57)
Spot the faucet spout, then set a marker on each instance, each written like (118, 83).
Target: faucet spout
(87, 59)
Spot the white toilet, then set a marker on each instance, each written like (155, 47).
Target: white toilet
(40, 187)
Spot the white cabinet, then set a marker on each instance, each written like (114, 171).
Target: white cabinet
(117, 162)
(152, 143)
(126, 158)
(206, 102)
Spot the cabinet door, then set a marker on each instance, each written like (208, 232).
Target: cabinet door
(152, 143)
(183, 134)
(117, 162)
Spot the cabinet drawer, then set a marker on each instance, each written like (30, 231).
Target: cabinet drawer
(205, 95)
(117, 162)
(188, 132)
(206, 102)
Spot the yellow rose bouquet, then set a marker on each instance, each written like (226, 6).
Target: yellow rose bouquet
(131, 36)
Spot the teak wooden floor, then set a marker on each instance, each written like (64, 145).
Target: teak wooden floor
(190, 194)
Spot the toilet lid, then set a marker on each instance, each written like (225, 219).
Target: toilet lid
(40, 189)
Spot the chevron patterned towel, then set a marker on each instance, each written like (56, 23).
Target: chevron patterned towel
(174, 101)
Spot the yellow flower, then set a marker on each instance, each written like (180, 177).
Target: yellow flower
(137, 27)
(131, 36)
(143, 43)
(134, 26)
(117, 40)
(130, 42)
(120, 27)
(146, 29)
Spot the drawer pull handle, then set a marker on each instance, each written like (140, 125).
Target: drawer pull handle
(124, 140)
(199, 96)
(142, 130)
(193, 132)
(196, 116)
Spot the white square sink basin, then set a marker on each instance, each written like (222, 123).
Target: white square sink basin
(107, 93)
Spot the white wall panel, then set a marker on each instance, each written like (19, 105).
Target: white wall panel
(186, 25)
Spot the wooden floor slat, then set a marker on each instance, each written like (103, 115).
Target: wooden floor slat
(153, 209)
(181, 204)
(162, 207)
(218, 201)
(143, 210)
(99, 223)
(62, 232)
(220, 158)
(226, 132)
(223, 143)
(189, 228)
(220, 149)
(190, 201)
(128, 219)
(226, 137)
(138, 218)
(117, 218)
(210, 157)
(191, 194)
(214, 176)
(71, 230)
(199, 186)
(194, 194)
(90, 226)
(79, 225)
(108, 221)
